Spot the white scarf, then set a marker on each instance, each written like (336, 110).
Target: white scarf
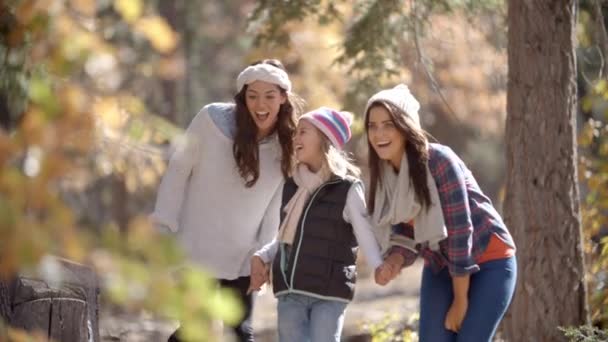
(395, 203)
(307, 182)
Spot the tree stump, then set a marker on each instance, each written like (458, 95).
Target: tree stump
(66, 313)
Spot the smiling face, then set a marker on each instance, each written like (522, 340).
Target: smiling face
(384, 136)
(263, 101)
(308, 144)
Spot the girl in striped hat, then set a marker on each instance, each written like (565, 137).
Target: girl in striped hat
(323, 221)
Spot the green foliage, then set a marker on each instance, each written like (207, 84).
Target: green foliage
(393, 329)
(374, 40)
(69, 117)
(593, 169)
(13, 79)
(369, 49)
(585, 334)
(593, 158)
(270, 17)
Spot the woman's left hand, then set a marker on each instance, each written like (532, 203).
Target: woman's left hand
(456, 314)
(259, 274)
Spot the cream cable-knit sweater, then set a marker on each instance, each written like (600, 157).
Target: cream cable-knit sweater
(218, 220)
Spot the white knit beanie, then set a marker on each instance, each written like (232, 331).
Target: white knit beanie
(401, 97)
(263, 72)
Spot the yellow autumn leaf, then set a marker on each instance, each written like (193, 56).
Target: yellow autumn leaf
(73, 98)
(587, 103)
(19, 335)
(129, 9)
(72, 246)
(109, 111)
(148, 177)
(139, 232)
(132, 104)
(158, 32)
(79, 44)
(601, 87)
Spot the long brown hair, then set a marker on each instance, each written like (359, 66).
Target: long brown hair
(415, 149)
(245, 148)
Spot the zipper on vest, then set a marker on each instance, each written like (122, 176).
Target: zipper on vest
(295, 258)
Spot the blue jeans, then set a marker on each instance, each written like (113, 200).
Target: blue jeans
(490, 293)
(304, 318)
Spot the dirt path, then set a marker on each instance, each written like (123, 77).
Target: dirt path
(372, 303)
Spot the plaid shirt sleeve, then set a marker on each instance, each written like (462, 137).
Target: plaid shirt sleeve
(450, 176)
(405, 231)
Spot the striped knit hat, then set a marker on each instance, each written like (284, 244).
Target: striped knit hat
(334, 124)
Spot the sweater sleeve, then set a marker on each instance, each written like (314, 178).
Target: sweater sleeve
(173, 185)
(355, 213)
(271, 220)
(269, 251)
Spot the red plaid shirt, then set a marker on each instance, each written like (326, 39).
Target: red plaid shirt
(470, 218)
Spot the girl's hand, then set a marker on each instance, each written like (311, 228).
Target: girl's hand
(383, 273)
(259, 274)
(396, 261)
(389, 270)
(456, 314)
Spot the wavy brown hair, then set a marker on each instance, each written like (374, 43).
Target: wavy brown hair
(245, 148)
(415, 149)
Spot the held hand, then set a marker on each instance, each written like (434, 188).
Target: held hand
(383, 274)
(396, 261)
(389, 270)
(259, 274)
(456, 314)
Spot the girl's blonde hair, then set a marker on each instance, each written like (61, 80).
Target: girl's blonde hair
(338, 161)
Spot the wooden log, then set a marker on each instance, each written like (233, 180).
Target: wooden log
(68, 312)
(83, 277)
(33, 315)
(29, 289)
(69, 321)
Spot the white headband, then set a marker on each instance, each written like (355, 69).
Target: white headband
(263, 72)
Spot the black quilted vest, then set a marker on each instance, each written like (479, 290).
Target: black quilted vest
(324, 251)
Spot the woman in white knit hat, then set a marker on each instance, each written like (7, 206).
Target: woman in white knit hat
(222, 189)
(425, 201)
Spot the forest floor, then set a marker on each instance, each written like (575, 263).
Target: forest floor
(373, 305)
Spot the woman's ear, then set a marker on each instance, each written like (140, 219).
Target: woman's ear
(283, 98)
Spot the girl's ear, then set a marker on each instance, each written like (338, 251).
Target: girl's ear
(283, 98)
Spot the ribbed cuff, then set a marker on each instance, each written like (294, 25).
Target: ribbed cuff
(408, 255)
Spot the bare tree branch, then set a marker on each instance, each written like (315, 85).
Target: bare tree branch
(601, 34)
(422, 59)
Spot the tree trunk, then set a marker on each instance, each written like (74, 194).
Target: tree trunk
(542, 200)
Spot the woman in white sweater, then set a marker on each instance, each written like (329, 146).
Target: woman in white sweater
(222, 190)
